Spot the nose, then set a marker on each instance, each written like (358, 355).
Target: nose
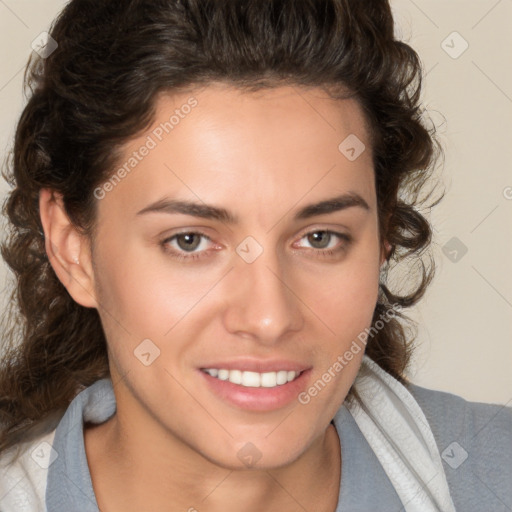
(263, 305)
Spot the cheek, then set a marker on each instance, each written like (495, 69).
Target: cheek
(346, 296)
(345, 303)
(145, 297)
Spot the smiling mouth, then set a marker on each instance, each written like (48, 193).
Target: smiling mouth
(253, 379)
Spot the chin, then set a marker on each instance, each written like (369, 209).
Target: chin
(260, 452)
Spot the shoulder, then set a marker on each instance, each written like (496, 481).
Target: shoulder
(475, 443)
(24, 473)
(452, 415)
(29, 469)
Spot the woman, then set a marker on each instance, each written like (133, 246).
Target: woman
(207, 197)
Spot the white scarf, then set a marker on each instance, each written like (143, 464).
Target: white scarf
(399, 434)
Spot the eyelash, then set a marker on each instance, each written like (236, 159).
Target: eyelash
(321, 253)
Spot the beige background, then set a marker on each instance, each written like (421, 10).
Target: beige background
(465, 332)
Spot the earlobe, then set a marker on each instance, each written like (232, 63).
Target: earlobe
(385, 252)
(68, 250)
(386, 248)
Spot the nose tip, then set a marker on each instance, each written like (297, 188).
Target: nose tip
(263, 306)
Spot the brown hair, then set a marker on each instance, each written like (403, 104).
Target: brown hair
(98, 90)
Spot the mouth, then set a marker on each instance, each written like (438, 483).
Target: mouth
(256, 386)
(250, 379)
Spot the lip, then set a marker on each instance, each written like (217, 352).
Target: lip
(257, 399)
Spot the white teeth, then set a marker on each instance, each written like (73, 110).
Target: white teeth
(234, 376)
(269, 380)
(282, 377)
(250, 379)
(253, 379)
(223, 375)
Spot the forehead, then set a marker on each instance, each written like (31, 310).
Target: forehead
(265, 109)
(227, 145)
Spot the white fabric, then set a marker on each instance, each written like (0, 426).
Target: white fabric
(23, 483)
(399, 434)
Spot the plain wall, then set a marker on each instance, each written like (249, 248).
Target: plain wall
(465, 320)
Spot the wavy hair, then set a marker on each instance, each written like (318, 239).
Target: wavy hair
(97, 91)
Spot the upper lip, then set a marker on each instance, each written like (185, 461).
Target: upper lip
(259, 366)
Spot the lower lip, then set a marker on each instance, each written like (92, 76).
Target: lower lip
(257, 399)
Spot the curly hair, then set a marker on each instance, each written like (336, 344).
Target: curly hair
(98, 90)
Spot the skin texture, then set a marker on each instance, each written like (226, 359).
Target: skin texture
(173, 443)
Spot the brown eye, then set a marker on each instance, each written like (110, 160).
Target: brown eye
(324, 243)
(188, 241)
(319, 239)
(187, 245)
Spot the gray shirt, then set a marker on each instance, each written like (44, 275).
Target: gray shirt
(475, 442)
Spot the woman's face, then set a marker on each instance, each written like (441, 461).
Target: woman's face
(211, 254)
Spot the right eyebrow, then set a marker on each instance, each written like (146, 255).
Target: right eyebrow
(171, 206)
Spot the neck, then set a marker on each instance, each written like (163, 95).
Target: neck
(135, 469)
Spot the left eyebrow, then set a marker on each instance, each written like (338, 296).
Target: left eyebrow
(348, 200)
(171, 206)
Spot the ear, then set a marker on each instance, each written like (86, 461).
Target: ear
(386, 249)
(68, 251)
(385, 252)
